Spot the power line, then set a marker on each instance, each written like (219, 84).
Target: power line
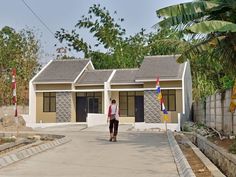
(40, 20)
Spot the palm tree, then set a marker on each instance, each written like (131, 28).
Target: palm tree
(211, 23)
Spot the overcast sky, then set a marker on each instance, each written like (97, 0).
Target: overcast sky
(58, 14)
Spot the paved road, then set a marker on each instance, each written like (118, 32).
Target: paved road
(90, 154)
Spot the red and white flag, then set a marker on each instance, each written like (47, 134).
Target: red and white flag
(14, 98)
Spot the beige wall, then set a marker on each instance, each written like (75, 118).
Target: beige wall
(127, 120)
(126, 86)
(173, 115)
(163, 84)
(115, 95)
(45, 117)
(103, 109)
(53, 87)
(49, 117)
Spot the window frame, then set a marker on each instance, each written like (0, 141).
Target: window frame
(50, 97)
(167, 101)
(92, 96)
(127, 95)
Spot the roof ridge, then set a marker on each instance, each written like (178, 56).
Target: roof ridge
(98, 70)
(120, 69)
(76, 59)
(161, 56)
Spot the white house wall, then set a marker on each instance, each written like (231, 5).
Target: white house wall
(32, 103)
(187, 94)
(32, 96)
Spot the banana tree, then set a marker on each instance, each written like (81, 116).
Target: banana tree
(211, 22)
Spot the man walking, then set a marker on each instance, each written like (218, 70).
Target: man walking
(113, 117)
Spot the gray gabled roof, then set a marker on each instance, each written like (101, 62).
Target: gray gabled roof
(124, 76)
(67, 71)
(166, 67)
(96, 77)
(61, 71)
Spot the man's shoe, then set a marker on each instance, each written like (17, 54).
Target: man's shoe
(110, 139)
(114, 139)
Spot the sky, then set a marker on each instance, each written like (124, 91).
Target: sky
(65, 14)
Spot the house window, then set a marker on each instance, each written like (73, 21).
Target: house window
(169, 97)
(94, 101)
(127, 103)
(49, 102)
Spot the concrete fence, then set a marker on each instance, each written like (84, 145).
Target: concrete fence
(162, 126)
(9, 110)
(214, 112)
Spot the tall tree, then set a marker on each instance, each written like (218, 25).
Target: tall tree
(110, 38)
(113, 48)
(213, 22)
(17, 50)
(210, 26)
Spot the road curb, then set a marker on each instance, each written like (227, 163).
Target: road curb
(20, 155)
(211, 167)
(182, 164)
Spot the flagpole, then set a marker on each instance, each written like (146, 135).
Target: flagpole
(14, 98)
(165, 124)
(160, 98)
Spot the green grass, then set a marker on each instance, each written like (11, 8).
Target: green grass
(7, 140)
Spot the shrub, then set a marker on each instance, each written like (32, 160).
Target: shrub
(232, 148)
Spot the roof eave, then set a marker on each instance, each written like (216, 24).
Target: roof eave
(128, 83)
(32, 80)
(77, 85)
(52, 82)
(152, 80)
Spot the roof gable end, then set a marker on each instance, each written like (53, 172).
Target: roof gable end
(62, 71)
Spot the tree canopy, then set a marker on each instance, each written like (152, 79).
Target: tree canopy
(210, 27)
(212, 22)
(17, 50)
(113, 48)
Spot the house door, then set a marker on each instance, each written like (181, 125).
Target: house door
(81, 109)
(139, 109)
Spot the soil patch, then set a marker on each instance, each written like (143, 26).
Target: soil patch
(196, 164)
(3, 152)
(225, 143)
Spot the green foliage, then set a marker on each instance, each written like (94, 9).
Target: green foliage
(7, 139)
(200, 125)
(166, 42)
(210, 27)
(211, 21)
(209, 76)
(186, 128)
(227, 81)
(185, 13)
(232, 148)
(17, 50)
(113, 48)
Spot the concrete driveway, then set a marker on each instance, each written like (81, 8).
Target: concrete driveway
(90, 154)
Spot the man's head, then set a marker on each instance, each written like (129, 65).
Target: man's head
(113, 102)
